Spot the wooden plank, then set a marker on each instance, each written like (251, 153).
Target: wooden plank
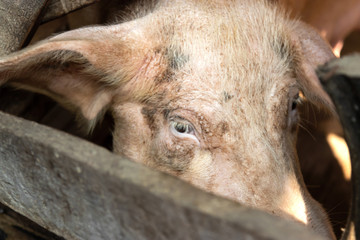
(17, 19)
(58, 8)
(13, 226)
(81, 191)
(341, 79)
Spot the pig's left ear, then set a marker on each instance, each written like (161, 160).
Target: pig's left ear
(311, 51)
(81, 69)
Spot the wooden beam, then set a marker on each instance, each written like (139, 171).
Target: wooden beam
(18, 19)
(81, 191)
(58, 8)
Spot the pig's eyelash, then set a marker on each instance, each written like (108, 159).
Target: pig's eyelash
(181, 128)
(297, 100)
(295, 103)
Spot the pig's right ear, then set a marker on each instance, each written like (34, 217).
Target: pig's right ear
(81, 69)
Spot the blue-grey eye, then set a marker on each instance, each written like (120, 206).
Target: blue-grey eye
(182, 127)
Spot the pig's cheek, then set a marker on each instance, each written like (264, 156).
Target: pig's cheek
(174, 146)
(173, 155)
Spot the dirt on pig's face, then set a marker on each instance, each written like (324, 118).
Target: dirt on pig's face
(203, 90)
(218, 109)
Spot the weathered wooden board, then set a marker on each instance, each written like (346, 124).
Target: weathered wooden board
(13, 226)
(341, 79)
(81, 191)
(17, 19)
(57, 8)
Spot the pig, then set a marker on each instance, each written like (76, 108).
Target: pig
(207, 91)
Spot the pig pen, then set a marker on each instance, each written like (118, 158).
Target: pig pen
(56, 186)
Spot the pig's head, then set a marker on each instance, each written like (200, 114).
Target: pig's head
(207, 92)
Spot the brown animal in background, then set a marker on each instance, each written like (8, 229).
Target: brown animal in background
(203, 90)
(335, 20)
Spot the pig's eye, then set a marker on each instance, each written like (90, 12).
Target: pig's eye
(297, 99)
(182, 128)
(293, 109)
(295, 102)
